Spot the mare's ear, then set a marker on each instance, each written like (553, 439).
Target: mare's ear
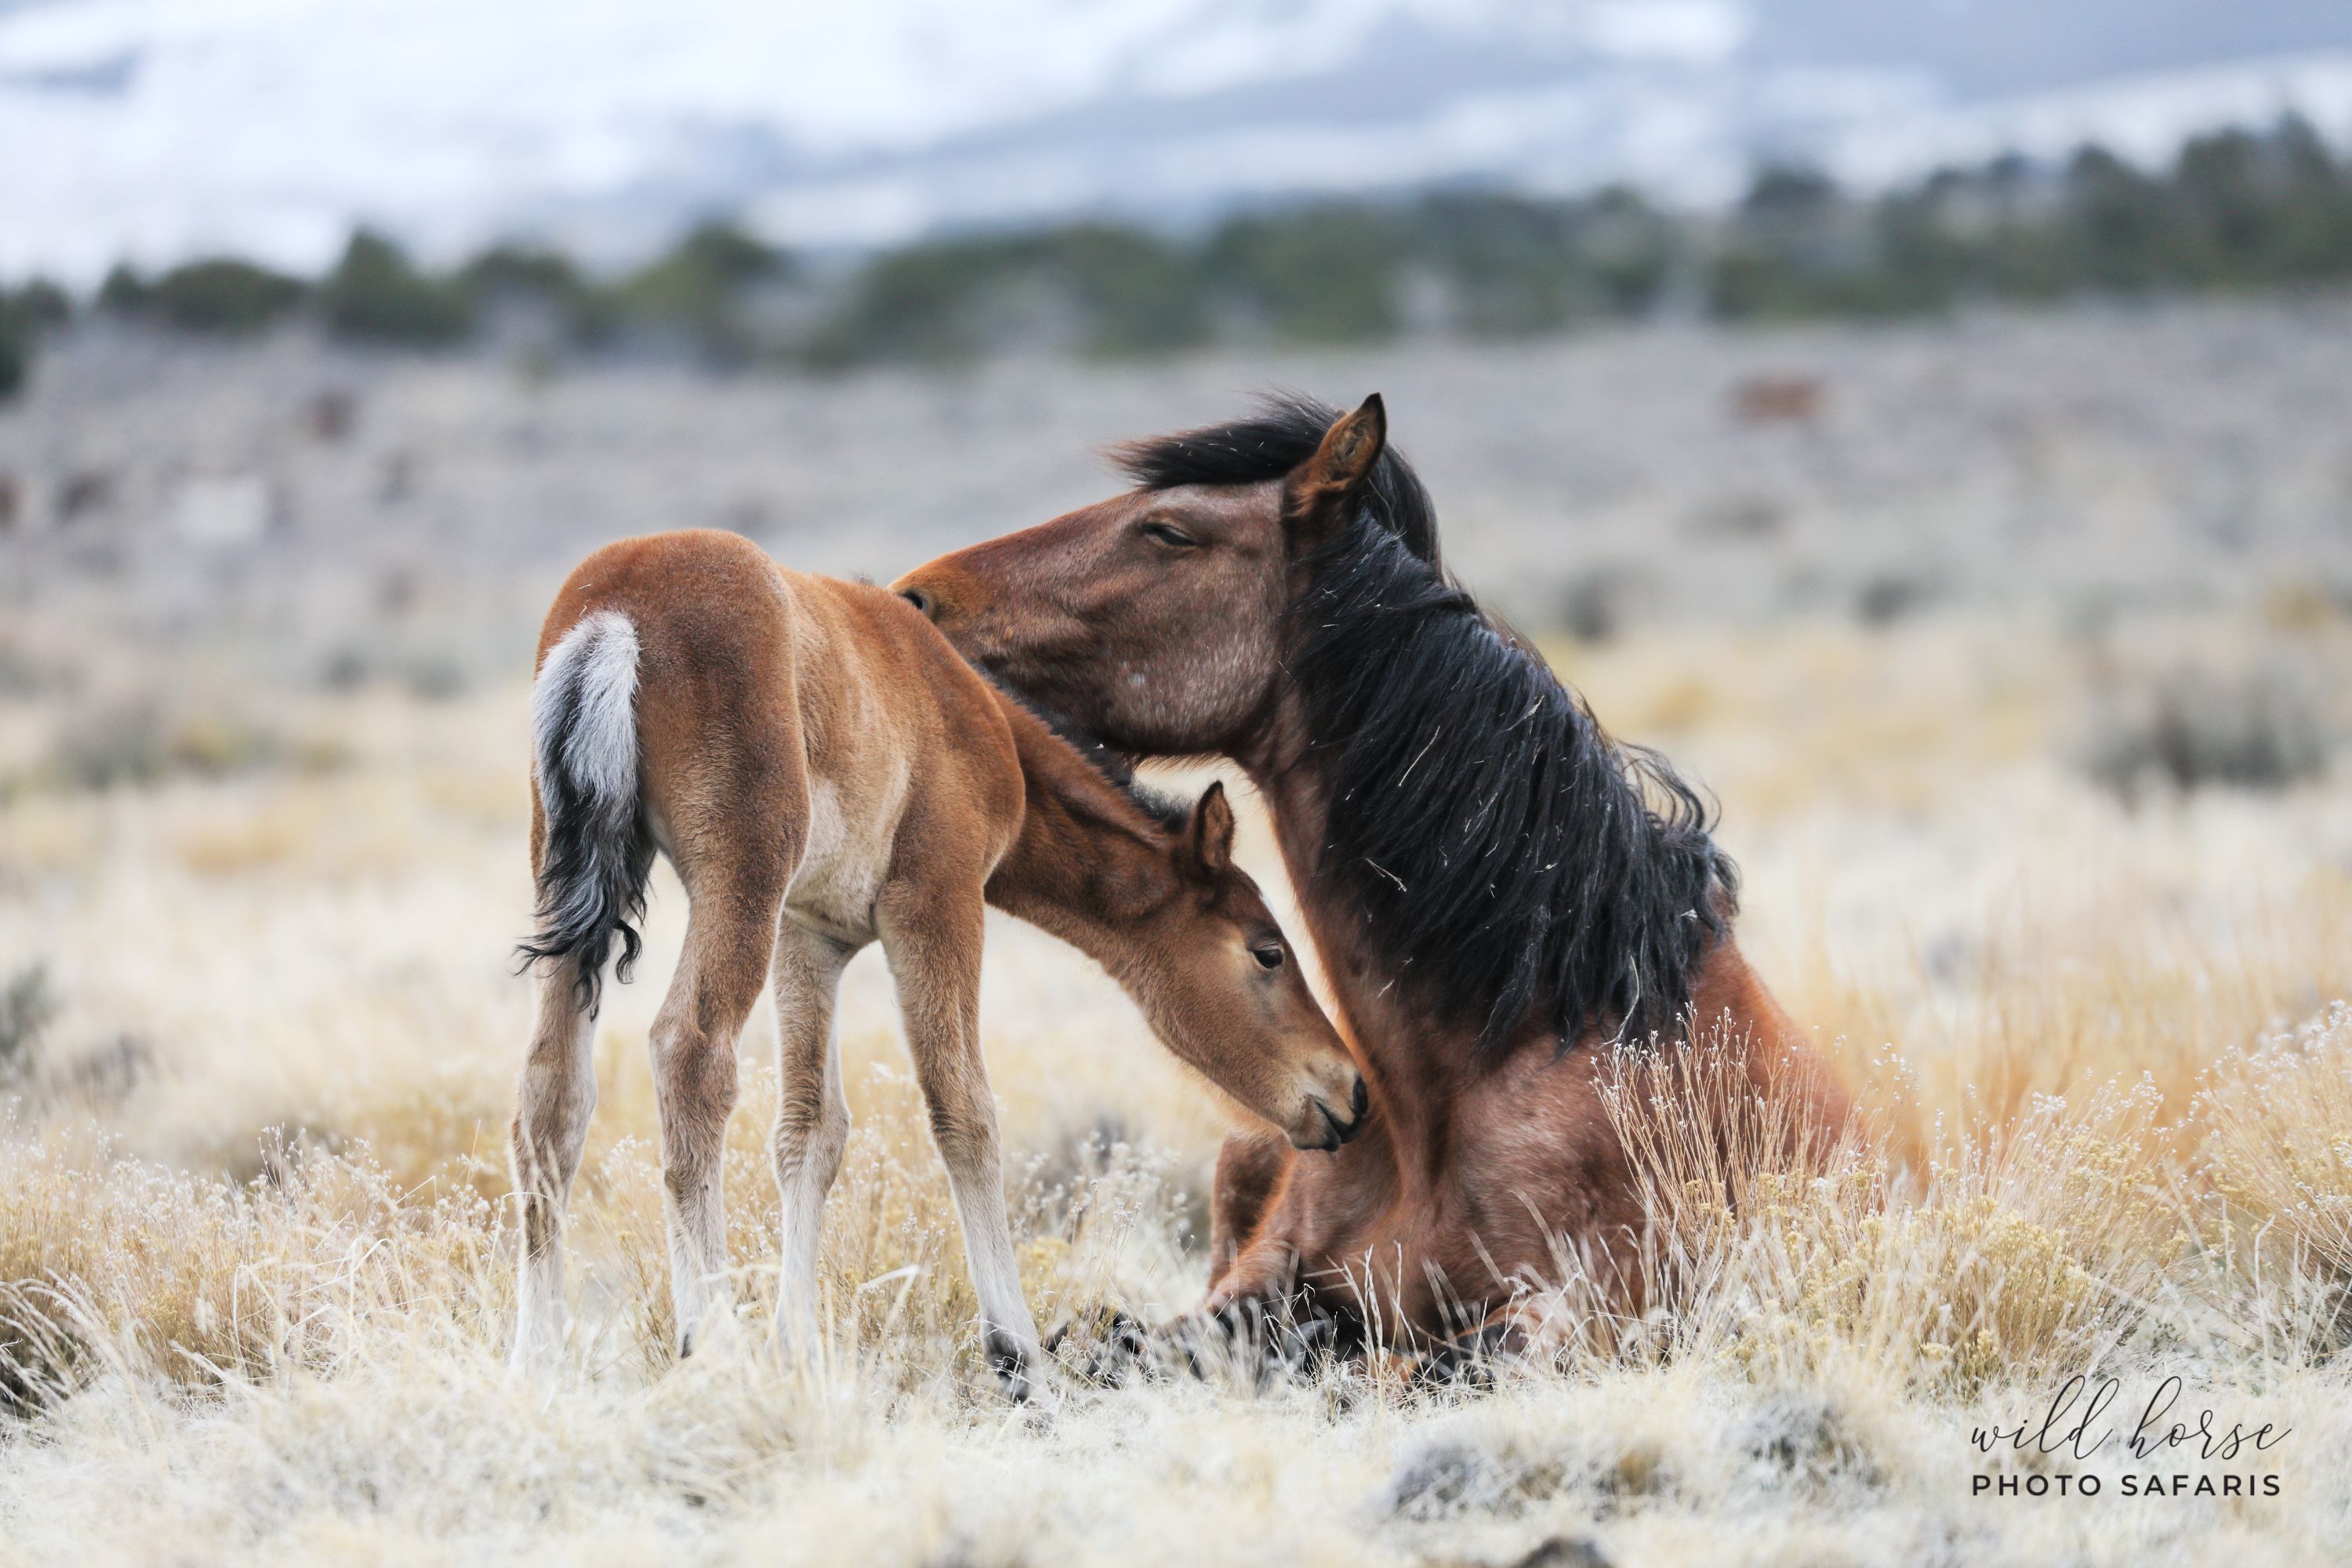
(1209, 837)
(1323, 493)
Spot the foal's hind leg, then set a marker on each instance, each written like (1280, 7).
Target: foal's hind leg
(812, 1116)
(551, 1127)
(730, 933)
(933, 936)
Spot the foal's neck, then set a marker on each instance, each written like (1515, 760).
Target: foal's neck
(1089, 862)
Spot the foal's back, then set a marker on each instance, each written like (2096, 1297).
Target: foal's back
(831, 710)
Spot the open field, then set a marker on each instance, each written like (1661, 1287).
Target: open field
(2052, 847)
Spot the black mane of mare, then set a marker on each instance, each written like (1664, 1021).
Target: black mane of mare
(1500, 849)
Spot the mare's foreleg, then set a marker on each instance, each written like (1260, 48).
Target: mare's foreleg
(1250, 1168)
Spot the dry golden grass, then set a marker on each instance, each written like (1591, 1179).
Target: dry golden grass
(258, 1297)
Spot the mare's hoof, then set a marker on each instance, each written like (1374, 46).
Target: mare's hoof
(1298, 1348)
(1252, 1344)
(1244, 1342)
(1468, 1360)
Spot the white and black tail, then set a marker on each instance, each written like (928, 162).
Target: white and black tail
(599, 847)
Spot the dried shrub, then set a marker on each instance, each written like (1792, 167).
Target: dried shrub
(28, 1006)
(141, 740)
(2277, 1157)
(2025, 1247)
(105, 1260)
(2195, 727)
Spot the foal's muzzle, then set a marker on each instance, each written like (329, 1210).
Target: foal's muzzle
(1359, 1112)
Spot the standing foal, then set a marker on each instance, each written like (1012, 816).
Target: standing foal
(824, 772)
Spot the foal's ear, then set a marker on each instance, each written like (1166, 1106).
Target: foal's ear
(1209, 837)
(1323, 493)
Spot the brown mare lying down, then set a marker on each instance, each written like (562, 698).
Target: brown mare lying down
(1496, 889)
(824, 772)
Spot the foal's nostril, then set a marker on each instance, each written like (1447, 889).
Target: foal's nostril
(1360, 1101)
(916, 597)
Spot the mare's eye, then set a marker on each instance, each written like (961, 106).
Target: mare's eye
(1269, 956)
(1172, 537)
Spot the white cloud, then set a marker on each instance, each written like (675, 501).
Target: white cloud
(1691, 32)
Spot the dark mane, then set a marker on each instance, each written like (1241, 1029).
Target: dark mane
(1512, 864)
(1507, 857)
(1166, 810)
(1282, 433)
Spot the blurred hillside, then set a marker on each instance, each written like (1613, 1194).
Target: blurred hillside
(337, 513)
(2233, 212)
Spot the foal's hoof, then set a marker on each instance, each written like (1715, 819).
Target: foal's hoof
(716, 1336)
(1021, 1371)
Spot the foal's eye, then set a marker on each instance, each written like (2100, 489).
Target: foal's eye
(1269, 956)
(1172, 537)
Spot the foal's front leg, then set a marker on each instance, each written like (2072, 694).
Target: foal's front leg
(933, 937)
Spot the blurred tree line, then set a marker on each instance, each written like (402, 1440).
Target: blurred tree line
(2235, 210)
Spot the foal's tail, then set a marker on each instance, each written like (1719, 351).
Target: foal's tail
(598, 847)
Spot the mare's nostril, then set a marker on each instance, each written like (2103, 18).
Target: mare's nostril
(1362, 1099)
(916, 597)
